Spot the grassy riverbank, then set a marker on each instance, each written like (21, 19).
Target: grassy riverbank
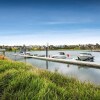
(19, 81)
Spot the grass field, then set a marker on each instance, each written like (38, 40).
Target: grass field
(19, 81)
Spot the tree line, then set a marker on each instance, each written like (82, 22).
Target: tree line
(53, 47)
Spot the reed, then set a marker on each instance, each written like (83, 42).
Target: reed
(19, 81)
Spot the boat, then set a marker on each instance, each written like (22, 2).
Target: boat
(60, 55)
(26, 54)
(85, 56)
(41, 55)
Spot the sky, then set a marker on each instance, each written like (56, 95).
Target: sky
(56, 22)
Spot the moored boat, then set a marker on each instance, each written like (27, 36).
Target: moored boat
(60, 55)
(26, 54)
(85, 56)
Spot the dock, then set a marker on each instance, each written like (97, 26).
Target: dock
(67, 61)
(3, 51)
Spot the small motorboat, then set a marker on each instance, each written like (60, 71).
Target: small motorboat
(26, 54)
(85, 56)
(41, 55)
(60, 55)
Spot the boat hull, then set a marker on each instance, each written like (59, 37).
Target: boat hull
(59, 57)
(83, 58)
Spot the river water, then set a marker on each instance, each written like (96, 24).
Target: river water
(82, 73)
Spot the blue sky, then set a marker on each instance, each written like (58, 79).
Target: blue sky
(56, 22)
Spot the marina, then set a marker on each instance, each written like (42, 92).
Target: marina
(49, 49)
(3, 51)
(68, 61)
(81, 72)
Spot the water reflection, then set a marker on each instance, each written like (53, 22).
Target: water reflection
(15, 57)
(68, 65)
(46, 64)
(25, 58)
(56, 69)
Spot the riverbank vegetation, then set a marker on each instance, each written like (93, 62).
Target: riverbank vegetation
(53, 47)
(20, 81)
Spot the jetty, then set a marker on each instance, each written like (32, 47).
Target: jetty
(67, 61)
(3, 51)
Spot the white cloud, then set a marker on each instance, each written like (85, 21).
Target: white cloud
(82, 36)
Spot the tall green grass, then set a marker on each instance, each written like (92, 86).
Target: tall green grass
(19, 81)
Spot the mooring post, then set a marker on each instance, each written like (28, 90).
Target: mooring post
(47, 50)
(4, 53)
